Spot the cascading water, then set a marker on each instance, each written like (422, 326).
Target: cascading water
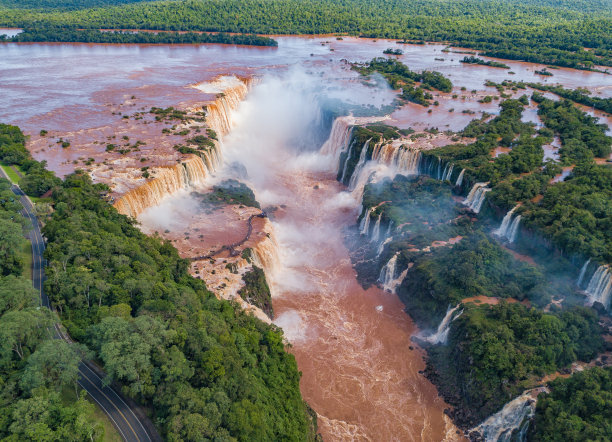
(346, 162)
(509, 226)
(339, 139)
(476, 196)
(459, 181)
(364, 227)
(376, 231)
(514, 229)
(512, 421)
(192, 171)
(382, 245)
(387, 275)
(600, 286)
(582, 272)
(441, 335)
(219, 113)
(359, 166)
(394, 154)
(448, 171)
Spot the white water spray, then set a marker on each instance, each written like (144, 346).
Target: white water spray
(364, 227)
(459, 181)
(441, 335)
(600, 286)
(509, 226)
(476, 196)
(376, 231)
(582, 272)
(512, 421)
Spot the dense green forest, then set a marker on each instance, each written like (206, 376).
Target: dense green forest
(205, 368)
(496, 352)
(547, 32)
(73, 34)
(65, 4)
(578, 408)
(39, 398)
(576, 213)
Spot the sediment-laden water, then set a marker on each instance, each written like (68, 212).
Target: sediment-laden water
(352, 345)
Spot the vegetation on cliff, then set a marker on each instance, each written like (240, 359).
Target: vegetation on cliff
(575, 213)
(578, 408)
(496, 352)
(256, 290)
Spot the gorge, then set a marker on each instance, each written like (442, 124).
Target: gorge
(362, 217)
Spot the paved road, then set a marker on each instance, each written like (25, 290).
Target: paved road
(129, 420)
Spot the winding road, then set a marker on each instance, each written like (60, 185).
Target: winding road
(128, 418)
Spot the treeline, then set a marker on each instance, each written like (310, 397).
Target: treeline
(574, 214)
(37, 179)
(512, 30)
(72, 34)
(480, 61)
(580, 96)
(475, 266)
(582, 136)
(577, 408)
(65, 4)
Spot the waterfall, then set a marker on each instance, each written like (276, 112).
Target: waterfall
(359, 166)
(397, 155)
(441, 335)
(364, 227)
(439, 172)
(476, 196)
(512, 421)
(600, 286)
(382, 245)
(514, 229)
(194, 169)
(448, 171)
(339, 137)
(503, 228)
(387, 275)
(191, 172)
(460, 178)
(509, 226)
(219, 113)
(582, 272)
(346, 161)
(265, 252)
(376, 231)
